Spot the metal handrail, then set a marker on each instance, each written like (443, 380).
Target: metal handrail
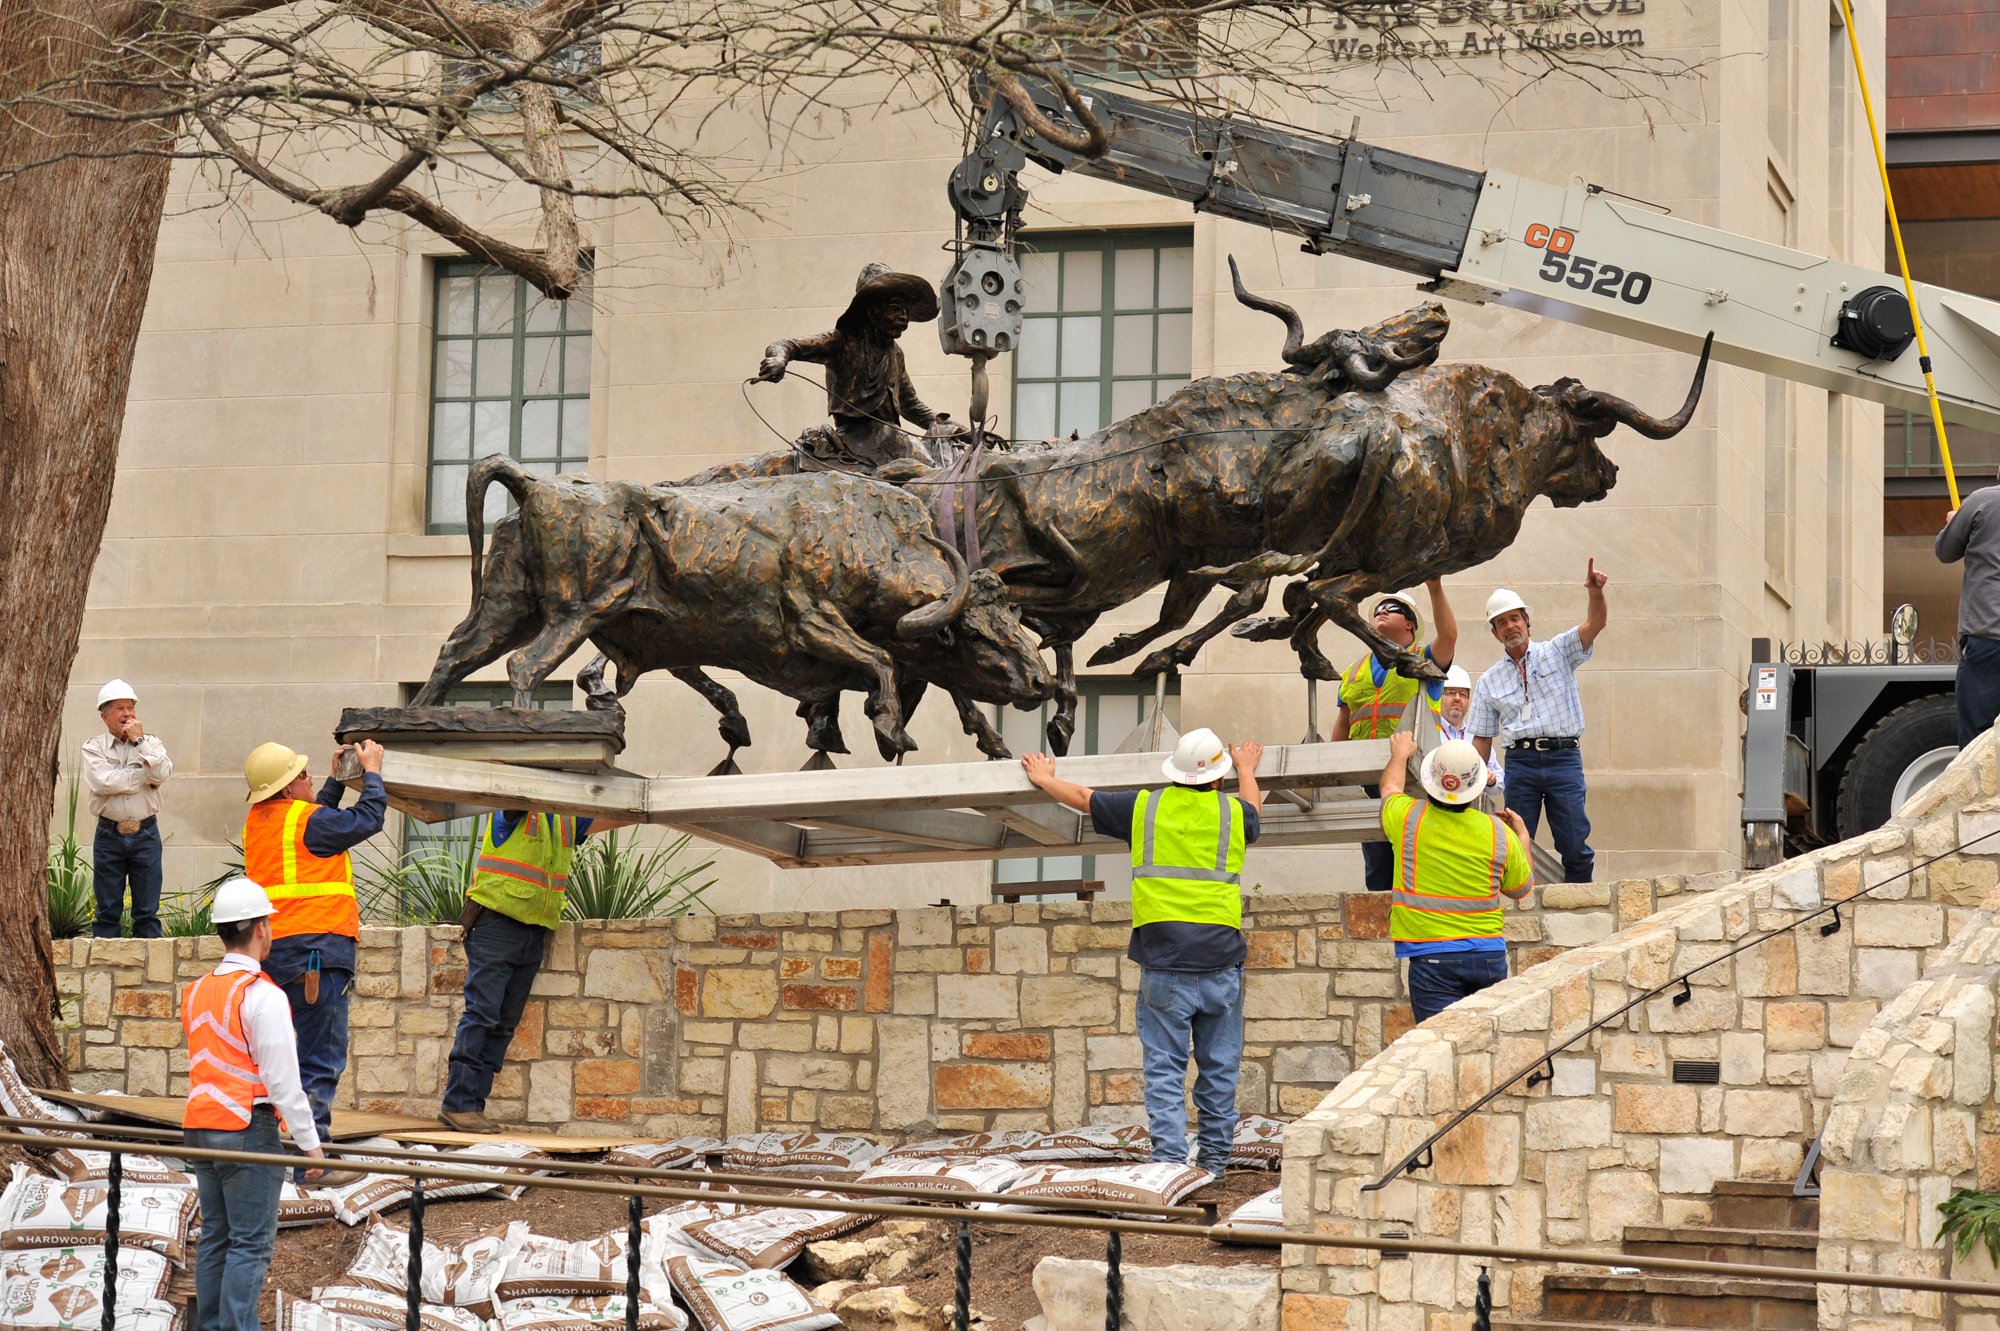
(169, 1136)
(1421, 1158)
(1258, 1236)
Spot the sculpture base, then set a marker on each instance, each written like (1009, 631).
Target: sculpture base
(567, 741)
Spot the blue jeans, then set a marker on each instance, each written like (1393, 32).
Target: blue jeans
(1554, 778)
(239, 1223)
(322, 1032)
(1204, 1008)
(502, 958)
(115, 860)
(1441, 979)
(1978, 686)
(1378, 858)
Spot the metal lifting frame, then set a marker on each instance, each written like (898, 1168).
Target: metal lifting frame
(888, 815)
(93, 1137)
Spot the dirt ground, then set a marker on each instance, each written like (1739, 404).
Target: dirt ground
(1003, 1256)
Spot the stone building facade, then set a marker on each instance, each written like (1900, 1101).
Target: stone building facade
(275, 554)
(887, 1022)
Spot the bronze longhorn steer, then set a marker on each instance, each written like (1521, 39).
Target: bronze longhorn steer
(809, 585)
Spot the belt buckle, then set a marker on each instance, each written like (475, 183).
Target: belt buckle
(128, 827)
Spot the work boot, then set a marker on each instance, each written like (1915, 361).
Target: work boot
(471, 1120)
(337, 1178)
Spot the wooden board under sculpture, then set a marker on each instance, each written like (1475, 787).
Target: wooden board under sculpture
(1363, 466)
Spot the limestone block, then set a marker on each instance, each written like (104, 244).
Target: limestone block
(926, 927)
(1881, 972)
(1621, 1197)
(810, 1072)
(724, 992)
(628, 976)
(1762, 1114)
(1563, 1125)
(1797, 890)
(1846, 1021)
(791, 1036)
(1794, 1026)
(1579, 930)
(994, 1086)
(916, 995)
(1777, 1161)
(702, 1076)
(1574, 1076)
(548, 1092)
(1694, 1164)
(1971, 1014)
(1861, 1206)
(1878, 924)
(931, 960)
(1770, 970)
(1316, 1063)
(903, 1055)
(1742, 1058)
(1075, 1000)
(1788, 1070)
(1570, 896)
(1113, 1052)
(1314, 1312)
(1824, 961)
(1020, 951)
(987, 997)
(1659, 1109)
(1963, 882)
(890, 1308)
(1284, 995)
(1089, 937)
(1018, 1045)
(1161, 1298)
(1640, 1054)
(1710, 1009)
(97, 996)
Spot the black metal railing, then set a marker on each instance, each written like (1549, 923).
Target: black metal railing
(1544, 1068)
(102, 1137)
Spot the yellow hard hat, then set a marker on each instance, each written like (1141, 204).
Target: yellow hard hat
(270, 769)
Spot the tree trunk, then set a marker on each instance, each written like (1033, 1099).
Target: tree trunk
(76, 258)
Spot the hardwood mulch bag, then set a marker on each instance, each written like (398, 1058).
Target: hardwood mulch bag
(576, 1312)
(800, 1153)
(1264, 1211)
(462, 1276)
(977, 1145)
(40, 1212)
(1125, 1141)
(1110, 1186)
(767, 1237)
(725, 1297)
(681, 1153)
(380, 1309)
(305, 1315)
(298, 1207)
(514, 1151)
(1259, 1144)
(937, 1175)
(45, 1289)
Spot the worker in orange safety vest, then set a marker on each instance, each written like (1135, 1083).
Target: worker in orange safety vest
(243, 1076)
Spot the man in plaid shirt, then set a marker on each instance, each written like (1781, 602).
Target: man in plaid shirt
(1528, 701)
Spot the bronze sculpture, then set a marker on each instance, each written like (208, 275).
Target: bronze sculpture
(1362, 466)
(809, 585)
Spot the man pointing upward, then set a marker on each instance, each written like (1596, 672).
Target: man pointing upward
(1529, 702)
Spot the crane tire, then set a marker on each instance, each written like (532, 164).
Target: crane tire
(1886, 752)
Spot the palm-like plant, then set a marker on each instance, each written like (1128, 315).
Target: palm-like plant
(1971, 1218)
(420, 887)
(190, 915)
(72, 894)
(613, 881)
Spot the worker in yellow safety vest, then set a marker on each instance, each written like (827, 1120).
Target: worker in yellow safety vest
(1454, 864)
(295, 844)
(519, 886)
(1187, 928)
(1374, 694)
(243, 1075)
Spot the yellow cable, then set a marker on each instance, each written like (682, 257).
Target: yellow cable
(1896, 230)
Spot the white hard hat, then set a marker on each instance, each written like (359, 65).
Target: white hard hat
(113, 691)
(1454, 773)
(1200, 757)
(1456, 678)
(1407, 607)
(1501, 602)
(240, 899)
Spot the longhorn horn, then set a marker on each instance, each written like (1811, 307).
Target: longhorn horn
(1295, 329)
(1626, 414)
(1364, 376)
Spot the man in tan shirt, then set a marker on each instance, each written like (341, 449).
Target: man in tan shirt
(123, 770)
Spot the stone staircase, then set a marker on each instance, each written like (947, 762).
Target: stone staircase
(1755, 1223)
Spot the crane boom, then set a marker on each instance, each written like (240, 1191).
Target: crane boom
(1571, 252)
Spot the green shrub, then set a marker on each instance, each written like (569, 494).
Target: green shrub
(72, 896)
(610, 880)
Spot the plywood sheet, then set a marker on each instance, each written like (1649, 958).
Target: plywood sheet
(553, 1143)
(166, 1110)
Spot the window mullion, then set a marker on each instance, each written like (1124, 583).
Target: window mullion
(1107, 321)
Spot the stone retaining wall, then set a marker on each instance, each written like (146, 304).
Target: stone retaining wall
(961, 1018)
(1613, 1140)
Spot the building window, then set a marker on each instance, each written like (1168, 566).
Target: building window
(511, 374)
(1162, 45)
(456, 837)
(1109, 331)
(1107, 712)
